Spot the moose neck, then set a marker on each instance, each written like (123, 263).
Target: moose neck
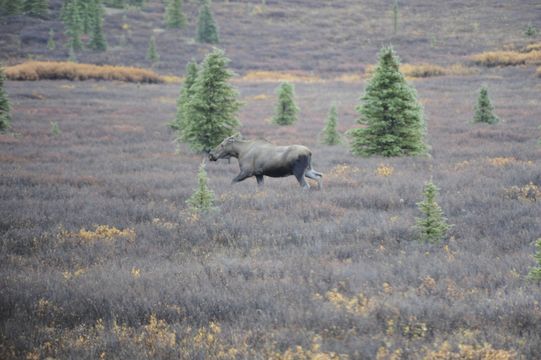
(238, 147)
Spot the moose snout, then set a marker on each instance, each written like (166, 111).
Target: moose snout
(212, 157)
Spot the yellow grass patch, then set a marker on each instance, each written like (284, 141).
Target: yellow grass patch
(428, 70)
(349, 78)
(62, 70)
(279, 76)
(533, 47)
(538, 71)
(506, 58)
(172, 79)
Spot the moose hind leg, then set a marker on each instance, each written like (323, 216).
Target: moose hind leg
(259, 180)
(314, 175)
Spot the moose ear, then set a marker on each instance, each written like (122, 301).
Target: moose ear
(234, 138)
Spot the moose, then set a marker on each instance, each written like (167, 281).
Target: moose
(260, 158)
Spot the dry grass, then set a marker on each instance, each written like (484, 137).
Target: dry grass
(538, 71)
(53, 70)
(280, 76)
(506, 58)
(428, 70)
(533, 47)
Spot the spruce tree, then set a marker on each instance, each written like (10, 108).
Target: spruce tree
(174, 17)
(330, 135)
(38, 8)
(207, 30)
(393, 119)
(51, 43)
(71, 16)
(286, 109)
(12, 7)
(203, 198)
(535, 273)
(152, 53)
(97, 41)
(433, 226)
(484, 108)
(5, 108)
(210, 114)
(186, 92)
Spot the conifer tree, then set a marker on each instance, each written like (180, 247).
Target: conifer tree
(174, 17)
(286, 109)
(393, 119)
(433, 226)
(51, 43)
(186, 92)
(330, 135)
(11, 7)
(484, 108)
(152, 53)
(97, 41)
(203, 198)
(5, 108)
(535, 273)
(38, 8)
(210, 114)
(71, 16)
(207, 30)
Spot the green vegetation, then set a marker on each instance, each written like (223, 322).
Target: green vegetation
(11, 7)
(37, 8)
(484, 109)
(432, 227)
(152, 52)
(5, 108)
(535, 273)
(97, 41)
(207, 30)
(51, 43)
(73, 24)
(55, 129)
(186, 92)
(330, 136)
(203, 197)
(531, 31)
(286, 110)
(210, 114)
(393, 119)
(174, 16)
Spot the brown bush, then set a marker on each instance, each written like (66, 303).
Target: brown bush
(506, 58)
(428, 70)
(51, 70)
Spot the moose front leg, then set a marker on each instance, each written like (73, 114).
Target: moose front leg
(259, 180)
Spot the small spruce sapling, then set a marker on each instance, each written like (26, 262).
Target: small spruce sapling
(207, 30)
(55, 129)
(202, 199)
(433, 226)
(51, 43)
(535, 273)
(152, 53)
(286, 108)
(484, 109)
(330, 136)
(5, 108)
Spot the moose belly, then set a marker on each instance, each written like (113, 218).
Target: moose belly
(277, 171)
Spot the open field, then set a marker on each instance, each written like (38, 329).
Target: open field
(100, 257)
(276, 268)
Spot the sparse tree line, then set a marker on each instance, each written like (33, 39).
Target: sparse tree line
(86, 17)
